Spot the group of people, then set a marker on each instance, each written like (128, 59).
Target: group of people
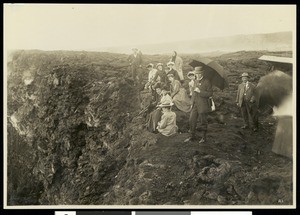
(166, 87)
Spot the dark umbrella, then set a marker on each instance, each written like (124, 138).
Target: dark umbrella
(212, 71)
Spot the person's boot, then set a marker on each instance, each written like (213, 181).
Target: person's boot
(203, 139)
(245, 126)
(189, 139)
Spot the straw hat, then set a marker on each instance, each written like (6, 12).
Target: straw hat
(170, 63)
(150, 65)
(245, 74)
(159, 64)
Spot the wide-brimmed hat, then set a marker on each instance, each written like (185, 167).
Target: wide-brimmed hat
(190, 73)
(170, 63)
(198, 70)
(245, 74)
(159, 64)
(170, 75)
(168, 104)
(150, 65)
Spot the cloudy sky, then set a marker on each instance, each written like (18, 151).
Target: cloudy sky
(83, 27)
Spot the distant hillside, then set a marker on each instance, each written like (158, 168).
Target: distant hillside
(280, 41)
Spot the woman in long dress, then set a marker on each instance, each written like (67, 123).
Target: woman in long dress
(179, 95)
(178, 65)
(155, 115)
(167, 126)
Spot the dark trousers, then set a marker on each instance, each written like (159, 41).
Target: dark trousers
(195, 114)
(154, 118)
(136, 73)
(249, 111)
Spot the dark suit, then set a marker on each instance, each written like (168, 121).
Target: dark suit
(135, 65)
(246, 101)
(200, 105)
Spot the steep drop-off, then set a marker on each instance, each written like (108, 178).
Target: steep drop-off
(75, 136)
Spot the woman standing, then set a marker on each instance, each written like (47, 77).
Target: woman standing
(179, 95)
(178, 65)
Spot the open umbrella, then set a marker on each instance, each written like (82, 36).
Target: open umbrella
(212, 71)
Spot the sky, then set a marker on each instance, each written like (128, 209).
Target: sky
(84, 27)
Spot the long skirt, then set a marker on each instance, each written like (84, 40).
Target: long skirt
(283, 143)
(182, 101)
(154, 118)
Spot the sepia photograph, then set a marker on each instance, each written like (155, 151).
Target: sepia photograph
(148, 106)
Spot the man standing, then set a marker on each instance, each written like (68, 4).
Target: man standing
(135, 62)
(200, 104)
(246, 101)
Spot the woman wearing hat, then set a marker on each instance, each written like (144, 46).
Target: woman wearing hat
(160, 76)
(192, 77)
(150, 83)
(179, 95)
(154, 116)
(152, 72)
(246, 101)
(177, 64)
(172, 71)
(167, 126)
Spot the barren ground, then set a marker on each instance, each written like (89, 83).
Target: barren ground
(56, 157)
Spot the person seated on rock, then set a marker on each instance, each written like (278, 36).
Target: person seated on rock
(155, 115)
(151, 74)
(179, 95)
(157, 96)
(192, 77)
(171, 70)
(167, 125)
(160, 76)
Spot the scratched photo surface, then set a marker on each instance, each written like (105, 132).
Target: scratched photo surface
(149, 106)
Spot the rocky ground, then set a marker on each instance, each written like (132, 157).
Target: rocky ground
(75, 136)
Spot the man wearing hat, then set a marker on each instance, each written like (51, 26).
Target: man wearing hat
(246, 101)
(200, 104)
(135, 62)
